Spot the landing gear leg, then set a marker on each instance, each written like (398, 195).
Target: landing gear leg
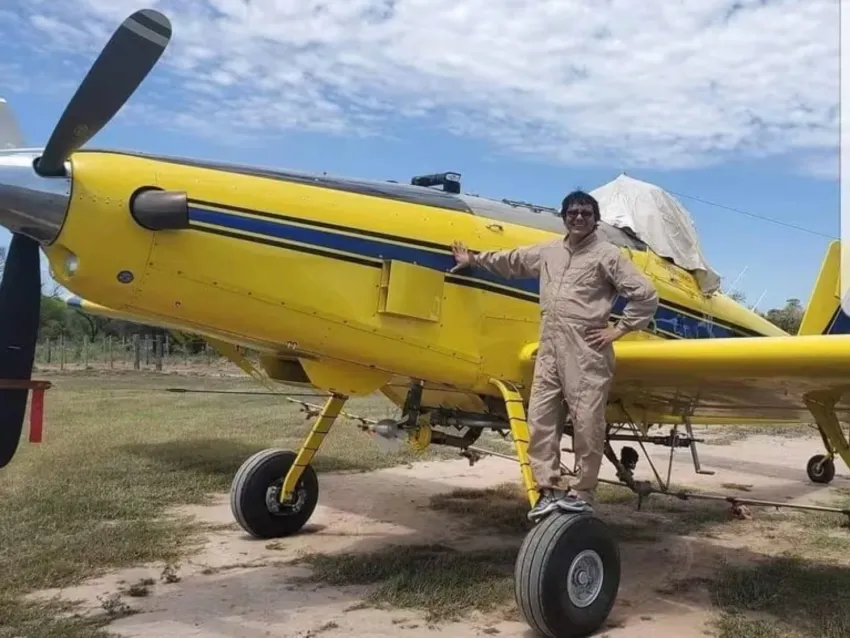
(275, 491)
(567, 573)
(821, 467)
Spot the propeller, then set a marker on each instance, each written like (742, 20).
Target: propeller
(123, 64)
(20, 305)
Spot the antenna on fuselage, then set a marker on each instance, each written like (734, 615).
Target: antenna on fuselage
(731, 286)
(758, 301)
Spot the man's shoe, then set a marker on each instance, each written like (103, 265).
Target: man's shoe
(552, 500)
(572, 502)
(546, 504)
(586, 496)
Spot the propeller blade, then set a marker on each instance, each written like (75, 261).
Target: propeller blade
(20, 310)
(121, 67)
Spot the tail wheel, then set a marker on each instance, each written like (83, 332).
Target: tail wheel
(821, 469)
(567, 575)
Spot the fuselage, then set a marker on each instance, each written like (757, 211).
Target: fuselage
(350, 278)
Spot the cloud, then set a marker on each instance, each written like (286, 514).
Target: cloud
(821, 166)
(651, 85)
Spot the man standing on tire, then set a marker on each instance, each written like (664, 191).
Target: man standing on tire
(580, 277)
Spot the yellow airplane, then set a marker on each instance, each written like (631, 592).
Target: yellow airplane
(344, 285)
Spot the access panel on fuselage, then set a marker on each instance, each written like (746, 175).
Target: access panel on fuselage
(510, 308)
(306, 263)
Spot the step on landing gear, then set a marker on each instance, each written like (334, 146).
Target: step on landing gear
(567, 572)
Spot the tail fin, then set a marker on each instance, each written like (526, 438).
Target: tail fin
(824, 314)
(10, 133)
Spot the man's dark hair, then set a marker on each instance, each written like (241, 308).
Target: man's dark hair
(580, 198)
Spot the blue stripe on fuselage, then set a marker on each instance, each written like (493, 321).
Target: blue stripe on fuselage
(360, 246)
(667, 319)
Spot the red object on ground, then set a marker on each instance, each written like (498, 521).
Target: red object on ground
(37, 415)
(38, 389)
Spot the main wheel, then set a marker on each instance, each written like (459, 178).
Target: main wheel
(255, 495)
(821, 469)
(567, 575)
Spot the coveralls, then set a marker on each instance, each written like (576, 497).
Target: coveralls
(578, 288)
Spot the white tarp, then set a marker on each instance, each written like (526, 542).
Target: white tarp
(10, 134)
(660, 221)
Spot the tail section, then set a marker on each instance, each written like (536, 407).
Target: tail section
(824, 314)
(10, 133)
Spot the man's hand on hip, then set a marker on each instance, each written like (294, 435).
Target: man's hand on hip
(600, 337)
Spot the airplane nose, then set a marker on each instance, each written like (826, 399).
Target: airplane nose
(30, 204)
(35, 192)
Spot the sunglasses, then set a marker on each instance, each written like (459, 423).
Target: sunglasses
(587, 214)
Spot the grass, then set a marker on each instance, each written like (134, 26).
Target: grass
(441, 581)
(118, 452)
(446, 583)
(784, 597)
(503, 509)
(796, 591)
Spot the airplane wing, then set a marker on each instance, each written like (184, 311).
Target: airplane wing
(759, 378)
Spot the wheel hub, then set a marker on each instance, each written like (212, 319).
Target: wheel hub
(292, 506)
(584, 579)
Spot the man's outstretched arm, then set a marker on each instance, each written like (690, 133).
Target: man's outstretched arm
(512, 263)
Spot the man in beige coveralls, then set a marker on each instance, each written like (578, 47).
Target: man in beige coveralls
(580, 278)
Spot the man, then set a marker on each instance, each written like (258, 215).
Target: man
(580, 277)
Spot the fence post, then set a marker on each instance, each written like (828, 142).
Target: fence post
(158, 352)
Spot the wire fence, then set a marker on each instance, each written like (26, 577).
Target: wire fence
(137, 352)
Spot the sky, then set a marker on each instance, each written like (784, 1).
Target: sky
(732, 106)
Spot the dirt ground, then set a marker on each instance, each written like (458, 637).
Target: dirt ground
(241, 587)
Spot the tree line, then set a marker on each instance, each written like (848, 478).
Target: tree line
(789, 317)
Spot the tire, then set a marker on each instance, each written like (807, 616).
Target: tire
(262, 474)
(826, 472)
(543, 568)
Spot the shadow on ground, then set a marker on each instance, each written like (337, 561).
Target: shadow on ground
(220, 457)
(453, 550)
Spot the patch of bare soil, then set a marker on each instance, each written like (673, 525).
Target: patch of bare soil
(242, 587)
